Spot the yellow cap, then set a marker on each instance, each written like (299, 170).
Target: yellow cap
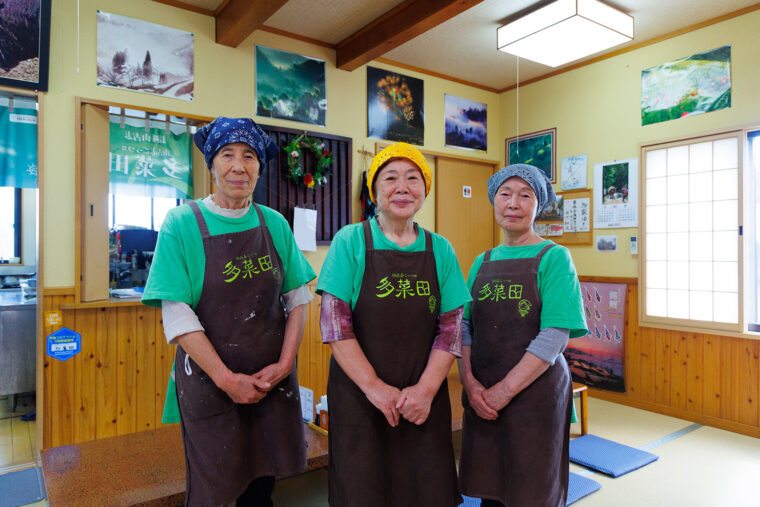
(399, 150)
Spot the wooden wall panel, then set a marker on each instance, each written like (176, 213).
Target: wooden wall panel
(146, 372)
(694, 372)
(632, 345)
(106, 376)
(678, 370)
(118, 382)
(712, 368)
(126, 370)
(85, 368)
(706, 378)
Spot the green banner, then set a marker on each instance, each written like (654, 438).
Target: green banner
(150, 163)
(18, 147)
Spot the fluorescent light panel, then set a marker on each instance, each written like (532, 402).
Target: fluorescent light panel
(564, 31)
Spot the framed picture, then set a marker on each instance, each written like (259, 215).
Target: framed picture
(290, 86)
(465, 123)
(145, 57)
(395, 107)
(538, 149)
(696, 84)
(25, 43)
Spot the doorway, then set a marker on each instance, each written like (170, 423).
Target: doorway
(464, 214)
(18, 280)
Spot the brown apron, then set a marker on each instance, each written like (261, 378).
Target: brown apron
(521, 458)
(395, 321)
(227, 445)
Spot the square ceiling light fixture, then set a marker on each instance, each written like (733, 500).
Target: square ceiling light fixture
(564, 31)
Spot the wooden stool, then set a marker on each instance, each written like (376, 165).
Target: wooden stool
(583, 391)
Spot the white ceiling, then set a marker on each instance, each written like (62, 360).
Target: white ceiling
(464, 47)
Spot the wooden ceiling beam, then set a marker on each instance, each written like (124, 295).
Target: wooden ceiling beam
(399, 25)
(240, 18)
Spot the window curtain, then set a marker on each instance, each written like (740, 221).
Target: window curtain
(150, 162)
(18, 147)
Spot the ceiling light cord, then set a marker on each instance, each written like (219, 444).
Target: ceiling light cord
(517, 101)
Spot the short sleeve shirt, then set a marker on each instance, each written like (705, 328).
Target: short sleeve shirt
(178, 265)
(558, 285)
(343, 269)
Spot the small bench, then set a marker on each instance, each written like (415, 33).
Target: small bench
(582, 390)
(146, 468)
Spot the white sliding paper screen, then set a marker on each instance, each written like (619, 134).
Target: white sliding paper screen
(690, 259)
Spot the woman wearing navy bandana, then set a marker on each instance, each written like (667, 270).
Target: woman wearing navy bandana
(223, 268)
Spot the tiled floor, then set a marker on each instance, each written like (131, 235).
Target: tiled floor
(17, 437)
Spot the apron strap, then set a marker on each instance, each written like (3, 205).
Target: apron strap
(371, 246)
(261, 215)
(367, 236)
(199, 218)
(543, 251)
(487, 256)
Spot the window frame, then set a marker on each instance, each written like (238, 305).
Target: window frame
(91, 282)
(691, 325)
(17, 227)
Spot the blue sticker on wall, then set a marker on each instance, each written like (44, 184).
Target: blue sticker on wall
(64, 344)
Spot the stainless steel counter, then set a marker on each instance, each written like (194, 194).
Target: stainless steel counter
(17, 343)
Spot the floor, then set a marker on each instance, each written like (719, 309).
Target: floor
(17, 437)
(705, 467)
(699, 466)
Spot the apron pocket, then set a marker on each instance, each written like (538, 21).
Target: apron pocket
(199, 398)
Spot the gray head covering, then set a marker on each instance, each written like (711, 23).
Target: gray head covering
(532, 175)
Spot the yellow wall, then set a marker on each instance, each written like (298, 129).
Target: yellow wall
(224, 85)
(596, 110)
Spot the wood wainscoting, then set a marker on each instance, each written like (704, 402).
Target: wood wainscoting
(706, 378)
(117, 384)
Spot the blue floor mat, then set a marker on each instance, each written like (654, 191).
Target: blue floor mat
(20, 488)
(580, 486)
(607, 456)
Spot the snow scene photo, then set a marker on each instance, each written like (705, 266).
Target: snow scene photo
(144, 57)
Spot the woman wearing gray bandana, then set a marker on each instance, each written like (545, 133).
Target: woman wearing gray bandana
(517, 388)
(222, 269)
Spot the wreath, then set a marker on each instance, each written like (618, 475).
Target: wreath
(322, 157)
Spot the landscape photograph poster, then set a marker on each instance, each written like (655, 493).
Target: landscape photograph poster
(596, 359)
(24, 43)
(465, 123)
(696, 84)
(144, 57)
(290, 86)
(395, 107)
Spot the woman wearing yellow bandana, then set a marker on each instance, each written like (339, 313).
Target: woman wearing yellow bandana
(392, 304)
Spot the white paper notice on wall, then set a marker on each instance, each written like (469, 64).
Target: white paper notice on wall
(307, 403)
(467, 191)
(305, 228)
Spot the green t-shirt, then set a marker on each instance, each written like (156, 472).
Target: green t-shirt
(343, 269)
(176, 273)
(558, 285)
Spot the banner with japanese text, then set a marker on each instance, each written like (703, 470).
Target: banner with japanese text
(153, 162)
(18, 147)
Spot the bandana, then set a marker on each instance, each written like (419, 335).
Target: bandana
(532, 175)
(222, 131)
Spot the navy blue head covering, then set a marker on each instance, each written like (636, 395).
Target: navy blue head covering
(532, 175)
(222, 131)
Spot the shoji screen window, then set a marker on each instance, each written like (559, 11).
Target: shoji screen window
(691, 250)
